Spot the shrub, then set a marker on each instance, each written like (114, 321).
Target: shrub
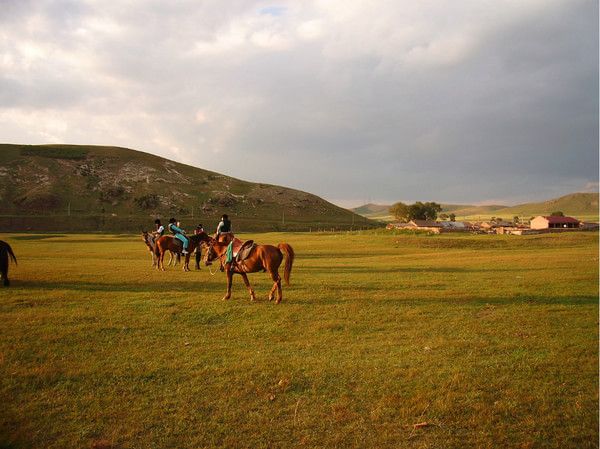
(146, 202)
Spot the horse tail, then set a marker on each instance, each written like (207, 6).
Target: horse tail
(5, 248)
(289, 261)
(11, 254)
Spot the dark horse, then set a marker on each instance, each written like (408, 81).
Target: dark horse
(262, 258)
(6, 254)
(170, 243)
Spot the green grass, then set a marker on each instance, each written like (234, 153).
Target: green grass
(491, 340)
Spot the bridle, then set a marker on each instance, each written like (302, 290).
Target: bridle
(209, 253)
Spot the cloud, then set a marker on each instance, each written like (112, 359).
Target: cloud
(447, 101)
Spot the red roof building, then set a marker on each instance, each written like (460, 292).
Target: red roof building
(554, 222)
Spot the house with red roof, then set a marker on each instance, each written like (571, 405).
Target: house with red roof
(553, 222)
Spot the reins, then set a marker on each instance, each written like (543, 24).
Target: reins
(220, 257)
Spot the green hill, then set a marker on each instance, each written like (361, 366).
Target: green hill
(371, 208)
(579, 205)
(71, 187)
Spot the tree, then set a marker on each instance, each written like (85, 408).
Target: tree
(424, 211)
(516, 219)
(444, 216)
(416, 211)
(399, 211)
(452, 217)
(557, 214)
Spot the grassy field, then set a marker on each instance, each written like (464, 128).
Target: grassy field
(487, 341)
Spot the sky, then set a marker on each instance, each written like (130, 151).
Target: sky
(482, 101)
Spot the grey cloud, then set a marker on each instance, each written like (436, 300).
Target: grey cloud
(350, 113)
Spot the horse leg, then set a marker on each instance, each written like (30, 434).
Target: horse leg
(247, 282)
(276, 286)
(186, 263)
(229, 282)
(198, 257)
(161, 260)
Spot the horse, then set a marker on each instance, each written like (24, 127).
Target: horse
(150, 241)
(170, 243)
(261, 258)
(6, 254)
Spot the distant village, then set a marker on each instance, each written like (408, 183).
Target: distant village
(537, 225)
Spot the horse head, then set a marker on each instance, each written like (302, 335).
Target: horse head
(147, 239)
(210, 253)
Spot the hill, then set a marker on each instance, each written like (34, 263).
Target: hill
(371, 208)
(381, 211)
(580, 205)
(72, 187)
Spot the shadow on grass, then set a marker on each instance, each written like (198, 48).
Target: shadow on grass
(344, 295)
(304, 294)
(167, 286)
(36, 237)
(332, 270)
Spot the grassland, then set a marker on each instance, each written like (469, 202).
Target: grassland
(492, 341)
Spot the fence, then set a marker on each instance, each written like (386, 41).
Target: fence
(134, 224)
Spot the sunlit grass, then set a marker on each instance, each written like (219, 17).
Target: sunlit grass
(492, 341)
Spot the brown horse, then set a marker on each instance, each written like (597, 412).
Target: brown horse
(262, 258)
(150, 240)
(6, 255)
(170, 243)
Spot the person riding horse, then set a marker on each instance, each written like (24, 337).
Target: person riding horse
(179, 234)
(224, 226)
(160, 229)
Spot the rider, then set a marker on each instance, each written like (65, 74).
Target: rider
(224, 225)
(179, 234)
(160, 229)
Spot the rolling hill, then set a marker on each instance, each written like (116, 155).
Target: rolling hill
(381, 211)
(72, 187)
(580, 205)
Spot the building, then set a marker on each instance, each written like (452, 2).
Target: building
(552, 222)
(425, 225)
(397, 225)
(454, 226)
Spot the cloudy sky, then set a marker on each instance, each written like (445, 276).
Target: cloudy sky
(446, 100)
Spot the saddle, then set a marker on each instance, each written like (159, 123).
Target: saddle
(241, 250)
